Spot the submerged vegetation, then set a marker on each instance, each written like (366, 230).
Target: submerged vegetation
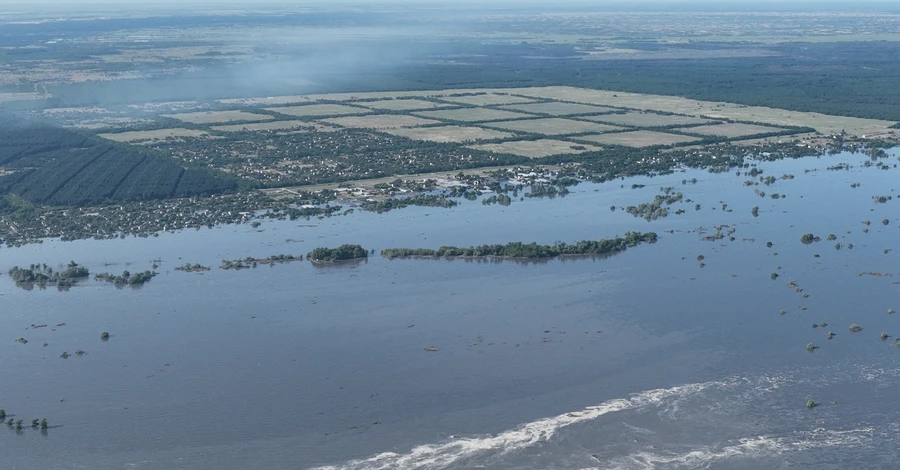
(127, 278)
(192, 268)
(656, 209)
(17, 424)
(344, 252)
(605, 246)
(250, 262)
(42, 275)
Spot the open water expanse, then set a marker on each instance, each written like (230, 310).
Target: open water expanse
(644, 360)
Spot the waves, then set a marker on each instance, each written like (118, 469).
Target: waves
(434, 456)
(750, 447)
(727, 406)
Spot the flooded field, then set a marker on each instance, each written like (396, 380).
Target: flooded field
(691, 352)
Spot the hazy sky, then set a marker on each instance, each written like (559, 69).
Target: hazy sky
(548, 5)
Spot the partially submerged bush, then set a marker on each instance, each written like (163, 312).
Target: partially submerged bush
(855, 328)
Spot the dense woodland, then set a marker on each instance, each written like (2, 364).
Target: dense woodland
(847, 78)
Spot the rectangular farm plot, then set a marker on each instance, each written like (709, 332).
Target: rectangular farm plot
(319, 110)
(487, 99)
(275, 126)
(552, 126)
(732, 130)
(403, 104)
(472, 114)
(536, 148)
(639, 119)
(380, 121)
(154, 135)
(215, 117)
(448, 133)
(555, 108)
(638, 138)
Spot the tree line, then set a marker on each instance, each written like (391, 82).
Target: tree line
(604, 246)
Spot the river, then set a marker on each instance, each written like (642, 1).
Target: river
(642, 360)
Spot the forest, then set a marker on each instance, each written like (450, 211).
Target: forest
(860, 79)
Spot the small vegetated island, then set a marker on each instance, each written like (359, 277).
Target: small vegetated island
(604, 246)
(42, 275)
(250, 262)
(127, 278)
(192, 268)
(344, 252)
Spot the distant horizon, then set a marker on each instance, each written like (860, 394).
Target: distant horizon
(619, 5)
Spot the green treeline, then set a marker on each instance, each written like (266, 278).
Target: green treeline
(604, 246)
(62, 167)
(341, 253)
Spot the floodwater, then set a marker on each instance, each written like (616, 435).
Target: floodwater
(644, 360)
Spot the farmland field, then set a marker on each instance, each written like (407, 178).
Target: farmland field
(732, 129)
(556, 108)
(638, 138)
(602, 98)
(643, 119)
(402, 104)
(553, 126)
(472, 114)
(449, 133)
(674, 104)
(274, 126)
(317, 110)
(486, 99)
(213, 117)
(536, 148)
(380, 121)
(157, 134)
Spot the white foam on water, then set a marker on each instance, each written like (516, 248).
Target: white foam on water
(750, 447)
(433, 456)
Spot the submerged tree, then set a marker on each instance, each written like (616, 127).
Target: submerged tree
(855, 328)
(811, 404)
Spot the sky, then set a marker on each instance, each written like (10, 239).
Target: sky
(549, 5)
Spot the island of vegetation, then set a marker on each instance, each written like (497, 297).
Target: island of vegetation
(344, 252)
(250, 262)
(127, 278)
(43, 275)
(604, 246)
(192, 268)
